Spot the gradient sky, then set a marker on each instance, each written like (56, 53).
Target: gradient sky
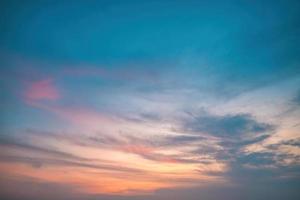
(150, 100)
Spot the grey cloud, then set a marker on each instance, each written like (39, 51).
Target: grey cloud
(232, 148)
(261, 158)
(227, 125)
(23, 145)
(254, 140)
(292, 142)
(296, 99)
(150, 116)
(234, 133)
(35, 161)
(181, 139)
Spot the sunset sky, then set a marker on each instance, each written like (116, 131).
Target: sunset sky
(150, 100)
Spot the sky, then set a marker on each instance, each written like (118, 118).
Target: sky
(150, 100)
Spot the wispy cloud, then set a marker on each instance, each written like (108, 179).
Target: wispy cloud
(41, 90)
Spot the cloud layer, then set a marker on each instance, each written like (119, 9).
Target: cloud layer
(149, 100)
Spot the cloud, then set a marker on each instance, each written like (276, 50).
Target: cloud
(146, 148)
(227, 125)
(177, 140)
(292, 142)
(230, 137)
(41, 90)
(39, 162)
(296, 99)
(50, 156)
(79, 116)
(30, 147)
(258, 159)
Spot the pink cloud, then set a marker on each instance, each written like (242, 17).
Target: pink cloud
(41, 90)
(146, 152)
(81, 117)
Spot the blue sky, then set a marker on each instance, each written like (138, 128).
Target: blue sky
(150, 99)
